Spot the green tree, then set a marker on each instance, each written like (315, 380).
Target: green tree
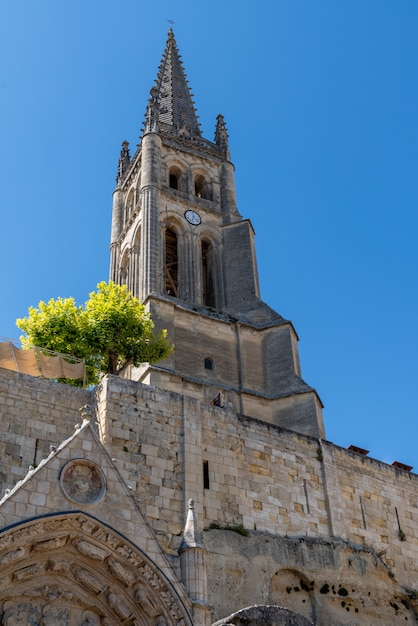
(110, 331)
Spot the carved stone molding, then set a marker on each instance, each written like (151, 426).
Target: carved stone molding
(70, 569)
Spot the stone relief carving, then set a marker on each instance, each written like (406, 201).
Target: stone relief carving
(90, 581)
(90, 618)
(103, 535)
(77, 558)
(91, 550)
(12, 556)
(146, 604)
(53, 615)
(51, 591)
(22, 613)
(59, 565)
(127, 552)
(50, 544)
(27, 572)
(49, 614)
(149, 574)
(9, 615)
(118, 606)
(126, 576)
(82, 481)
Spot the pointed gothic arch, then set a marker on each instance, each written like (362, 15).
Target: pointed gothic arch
(123, 274)
(129, 206)
(175, 178)
(134, 283)
(175, 169)
(202, 183)
(69, 568)
(208, 273)
(171, 262)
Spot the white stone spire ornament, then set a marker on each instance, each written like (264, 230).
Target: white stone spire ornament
(191, 535)
(193, 568)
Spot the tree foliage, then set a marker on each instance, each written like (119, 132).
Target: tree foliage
(110, 331)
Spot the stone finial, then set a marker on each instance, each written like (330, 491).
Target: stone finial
(86, 412)
(221, 135)
(124, 161)
(170, 30)
(191, 535)
(153, 113)
(193, 568)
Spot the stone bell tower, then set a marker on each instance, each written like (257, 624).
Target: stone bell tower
(180, 244)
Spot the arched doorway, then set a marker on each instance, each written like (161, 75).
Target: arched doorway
(70, 569)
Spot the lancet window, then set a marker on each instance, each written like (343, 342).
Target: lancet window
(124, 270)
(171, 263)
(129, 207)
(202, 187)
(208, 274)
(174, 178)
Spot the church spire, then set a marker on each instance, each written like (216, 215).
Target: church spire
(177, 113)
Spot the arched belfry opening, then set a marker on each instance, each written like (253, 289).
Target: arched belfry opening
(208, 274)
(171, 263)
(174, 178)
(202, 187)
(174, 181)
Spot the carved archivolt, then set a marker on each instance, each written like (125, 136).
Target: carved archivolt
(71, 570)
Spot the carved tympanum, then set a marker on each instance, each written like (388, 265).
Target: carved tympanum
(72, 570)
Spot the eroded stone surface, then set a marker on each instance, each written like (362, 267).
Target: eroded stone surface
(328, 582)
(52, 569)
(264, 616)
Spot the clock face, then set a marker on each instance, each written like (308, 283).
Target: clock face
(192, 217)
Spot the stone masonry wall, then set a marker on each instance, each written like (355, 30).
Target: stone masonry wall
(241, 472)
(34, 413)
(261, 477)
(143, 428)
(379, 504)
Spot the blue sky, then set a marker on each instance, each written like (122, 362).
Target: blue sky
(321, 100)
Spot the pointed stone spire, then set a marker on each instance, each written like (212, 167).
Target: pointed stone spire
(221, 135)
(193, 568)
(176, 108)
(124, 161)
(191, 535)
